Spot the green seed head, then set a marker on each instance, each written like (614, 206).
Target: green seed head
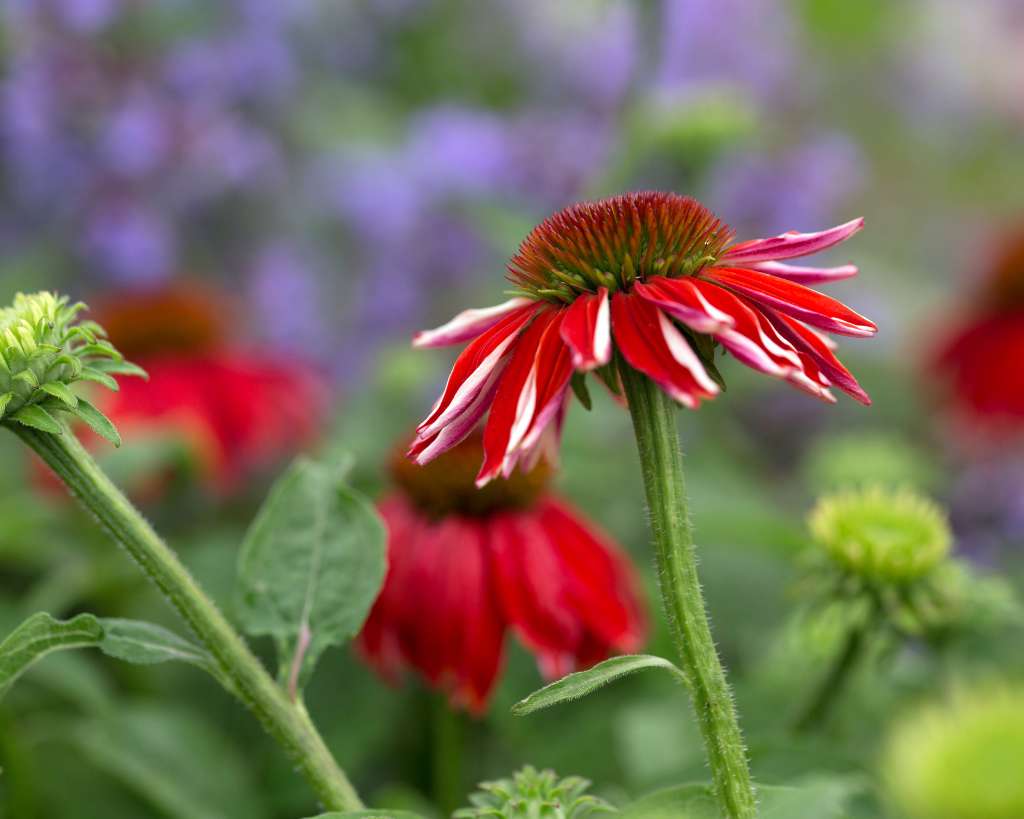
(532, 794)
(44, 351)
(881, 535)
(960, 760)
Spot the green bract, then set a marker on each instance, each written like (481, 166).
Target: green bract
(961, 760)
(533, 794)
(44, 350)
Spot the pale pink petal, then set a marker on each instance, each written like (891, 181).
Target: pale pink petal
(468, 324)
(790, 245)
(805, 275)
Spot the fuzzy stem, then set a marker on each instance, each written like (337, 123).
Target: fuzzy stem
(246, 677)
(654, 424)
(832, 685)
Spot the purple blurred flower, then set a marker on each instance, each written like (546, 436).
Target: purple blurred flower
(287, 299)
(130, 243)
(86, 16)
(739, 44)
(804, 185)
(136, 139)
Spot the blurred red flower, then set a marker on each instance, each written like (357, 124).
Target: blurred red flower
(467, 565)
(979, 362)
(235, 409)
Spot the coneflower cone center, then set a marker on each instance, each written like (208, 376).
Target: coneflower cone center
(614, 242)
(447, 484)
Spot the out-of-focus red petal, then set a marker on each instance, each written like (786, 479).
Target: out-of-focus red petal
(586, 329)
(801, 302)
(651, 344)
(804, 275)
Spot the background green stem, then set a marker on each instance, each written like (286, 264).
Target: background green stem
(446, 754)
(830, 689)
(246, 677)
(654, 423)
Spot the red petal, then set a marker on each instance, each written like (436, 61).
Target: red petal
(813, 345)
(469, 324)
(528, 394)
(681, 299)
(653, 345)
(586, 329)
(791, 245)
(804, 275)
(808, 305)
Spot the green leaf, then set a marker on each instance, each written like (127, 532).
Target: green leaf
(141, 643)
(5, 399)
(579, 684)
(694, 801)
(818, 798)
(61, 392)
(177, 762)
(36, 417)
(97, 421)
(369, 814)
(311, 566)
(38, 636)
(112, 367)
(579, 386)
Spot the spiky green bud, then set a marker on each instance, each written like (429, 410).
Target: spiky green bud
(533, 794)
(44, 351)
(960, 760)
(883, 555)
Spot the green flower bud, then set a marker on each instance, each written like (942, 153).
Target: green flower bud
(881, 535)
(44, 350)
(532, 794)
(960, 760)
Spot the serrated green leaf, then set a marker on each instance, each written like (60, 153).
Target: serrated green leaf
(61, 392)
(92, 374)
(142, 643)
(36, 417)
(38, 636)
(311, 566)
(580, 683)
(97, 421)
(579, 387)
(5, 399)
(693, 801)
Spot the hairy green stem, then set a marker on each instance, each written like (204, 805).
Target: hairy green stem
(239, 668)
(832, 685)
(657, 438)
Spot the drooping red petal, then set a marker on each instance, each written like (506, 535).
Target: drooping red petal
(586, 329)
(804, 275)
(451, 626)
(801, 302)
(755, 341)
(790, 245)
(651, 344)
(532, 588)
(601, 581)
(682, 300)
(528, 395)
(468, 324)
(470, 387)
(808, 341)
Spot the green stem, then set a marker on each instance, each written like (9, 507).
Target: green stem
(246, 676)
(833, 684)
(446, 755)
(654, 423)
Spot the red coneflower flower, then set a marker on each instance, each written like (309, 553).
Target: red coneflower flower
(655, 276)
(977, 361)
(466, 565)
(236, 410)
